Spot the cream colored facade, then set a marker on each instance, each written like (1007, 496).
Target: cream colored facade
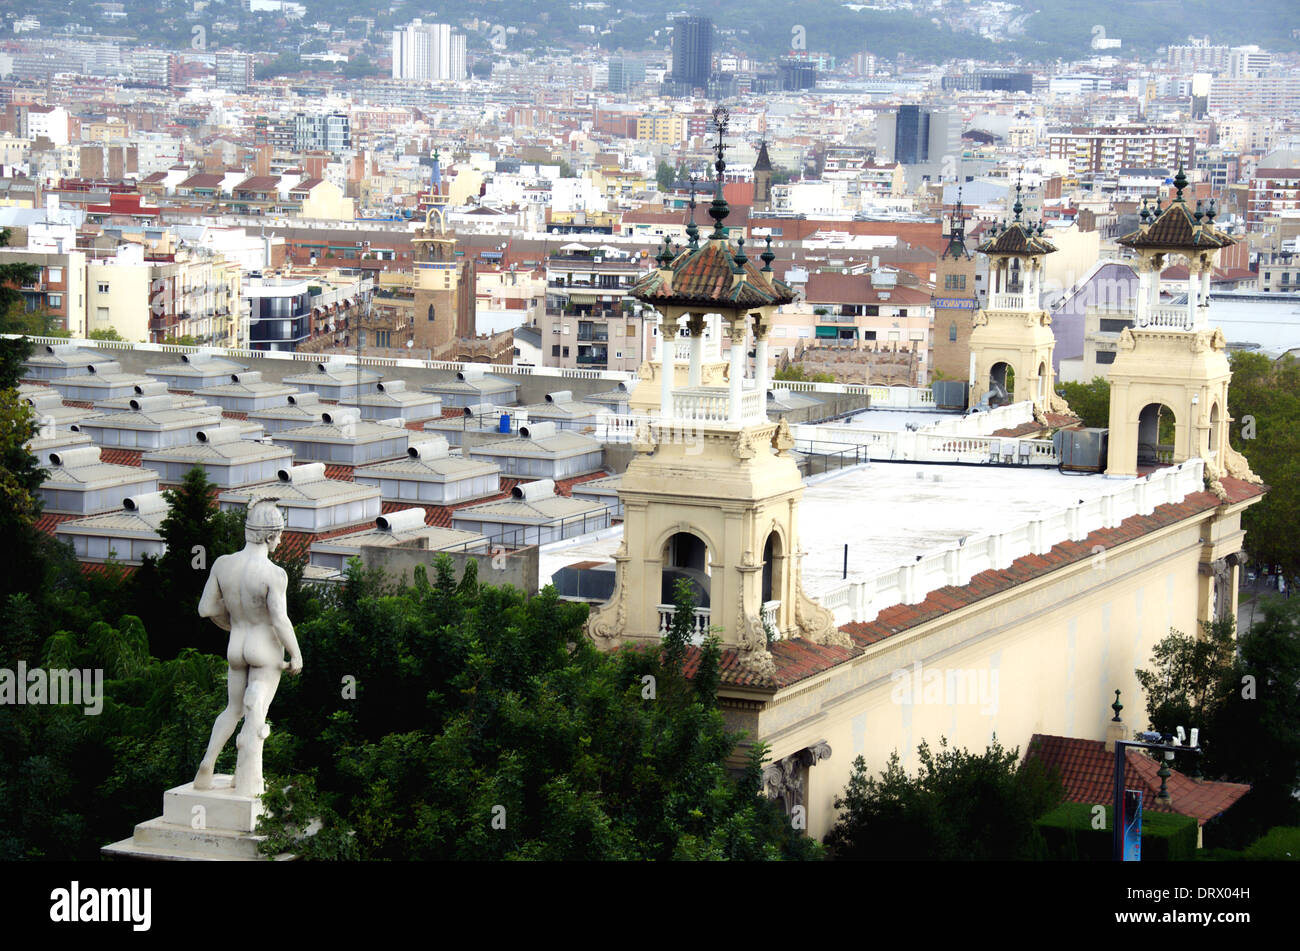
(117, 298)
(327, 201)
(1044, 656)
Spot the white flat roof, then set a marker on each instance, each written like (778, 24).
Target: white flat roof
(897, 516)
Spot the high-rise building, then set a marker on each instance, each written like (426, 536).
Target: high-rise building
(692, 51)
(234, 70)
(1104, 151)
(912, 135)
(428, 51)
(625, 73)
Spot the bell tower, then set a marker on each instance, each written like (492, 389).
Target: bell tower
(1169, 381)
(713, 492)
(955, 303)
(1012, 343)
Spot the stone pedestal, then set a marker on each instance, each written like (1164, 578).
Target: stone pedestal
(197, 825)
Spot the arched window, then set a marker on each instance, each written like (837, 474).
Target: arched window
(952, 332)
(430, 312)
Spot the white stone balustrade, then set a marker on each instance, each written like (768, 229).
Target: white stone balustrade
(862, 599)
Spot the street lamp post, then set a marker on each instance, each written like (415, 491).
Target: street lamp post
(1167, 743)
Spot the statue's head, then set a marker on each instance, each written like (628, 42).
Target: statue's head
(264, 524)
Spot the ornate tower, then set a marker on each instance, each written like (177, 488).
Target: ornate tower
(1171, 373)
(443, 306)
(713, 493)
(955, 303)
(1012, 342)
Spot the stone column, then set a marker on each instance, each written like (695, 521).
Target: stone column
(739, 324)
(1142, 306)
(667, 364)
(1193, 292)
(696, 324)
(1205, 294)
(760, 361)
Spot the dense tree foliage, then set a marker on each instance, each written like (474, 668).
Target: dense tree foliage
(960, 805)
(796, 372)
(1089, 401)
(1241, 693)
(464, 721)
(1264, 403)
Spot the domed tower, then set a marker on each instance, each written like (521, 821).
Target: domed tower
(1169, 381)
(713, 492)
(1012, 343)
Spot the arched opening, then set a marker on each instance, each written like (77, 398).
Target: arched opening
(952, 332)
(1214, 427)
(1156, 429)
(685, 557)
(430, 312)
(1014, 283)
(1042, 379)
(1002, 384)
(773, 567)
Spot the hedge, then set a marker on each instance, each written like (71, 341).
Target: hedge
(1070, 836)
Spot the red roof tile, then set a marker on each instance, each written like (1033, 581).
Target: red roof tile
(121, 457)
(48, 522)
(1088, 773)
(342, 473)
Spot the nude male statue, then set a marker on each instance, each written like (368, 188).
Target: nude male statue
(245, 595)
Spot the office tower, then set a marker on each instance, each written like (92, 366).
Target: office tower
(912, 135)
(692, 50)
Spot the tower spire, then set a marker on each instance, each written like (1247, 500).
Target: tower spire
(1017, 208)
(692, 229)
(718, 209)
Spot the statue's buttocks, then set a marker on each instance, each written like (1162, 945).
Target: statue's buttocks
(246, 595)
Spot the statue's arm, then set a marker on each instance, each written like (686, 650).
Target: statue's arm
(212, 605)
(277, 608)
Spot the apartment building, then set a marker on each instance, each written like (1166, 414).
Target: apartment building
(1103, 152)
(589, 322)
(428, 51)
(1274, 192)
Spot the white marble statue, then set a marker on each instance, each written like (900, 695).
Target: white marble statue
(245, 595)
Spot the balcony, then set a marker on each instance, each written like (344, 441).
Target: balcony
(1165, 318)
(699, 622)
(1006, 301)
(712, 404)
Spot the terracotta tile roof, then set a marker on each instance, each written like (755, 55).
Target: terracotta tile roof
(49, 521)
(342, 473)
(233, 414)
(706, 275)
(565, 486)
(1017, 238)
(1088, 772)
(294, 543)
(1177, 228)
(1054, 421)
(97, 568)
(121, 457)
(797, 659)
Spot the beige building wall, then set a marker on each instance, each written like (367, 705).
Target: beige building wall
(1076, 252)
(1043, 657)
(327, 201)
(117, 296)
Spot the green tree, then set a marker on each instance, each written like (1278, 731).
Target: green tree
(20, 477)
(485, 724)
(665, 176)
(959, 806)
(105, 333)
(168, 588)
(1241, 693)
(1264, 403)
(1089, 401)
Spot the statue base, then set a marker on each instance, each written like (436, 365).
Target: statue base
(201, 825)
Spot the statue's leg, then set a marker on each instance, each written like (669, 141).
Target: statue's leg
(262, 683)
(236, 681)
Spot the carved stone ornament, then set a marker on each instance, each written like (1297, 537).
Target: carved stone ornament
(754, 655)
(783, 780)
(607, 624)
(744, 447)
(1236, 466)
(980, 319)
(816, 622)
(1126, 339)
(783, 439)
(643, 439)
